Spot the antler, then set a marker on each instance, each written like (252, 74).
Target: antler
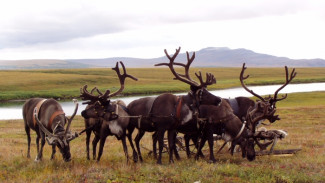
(85, 95)
(41, 126)
(187, 66)
(288, 80)
(72, 116)
(121, 78)
(210, 79)
(242, 78)
(259, 112)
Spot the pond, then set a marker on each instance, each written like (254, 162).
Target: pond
(13, 110)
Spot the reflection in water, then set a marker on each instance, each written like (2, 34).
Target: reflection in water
(13, 110)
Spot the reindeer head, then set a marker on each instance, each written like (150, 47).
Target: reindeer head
(60, 137)
(248, 138)
(198, 91)
(269, 101)
(99, 106)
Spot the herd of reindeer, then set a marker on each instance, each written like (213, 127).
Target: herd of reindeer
(199, 115)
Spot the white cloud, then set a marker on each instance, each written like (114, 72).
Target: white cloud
(97, 29)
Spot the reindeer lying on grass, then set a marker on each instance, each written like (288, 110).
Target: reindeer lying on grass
(46, 117)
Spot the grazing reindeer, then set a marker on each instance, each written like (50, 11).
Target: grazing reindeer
(234, 128)
(167, 112)
(46, 117)
(241, 105)
(108, 118)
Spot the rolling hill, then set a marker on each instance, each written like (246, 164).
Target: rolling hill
(207, 57)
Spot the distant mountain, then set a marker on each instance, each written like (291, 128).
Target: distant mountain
(207, 57)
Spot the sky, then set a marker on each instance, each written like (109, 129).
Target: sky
(74, 29)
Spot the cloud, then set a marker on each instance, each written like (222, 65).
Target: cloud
(76, 28)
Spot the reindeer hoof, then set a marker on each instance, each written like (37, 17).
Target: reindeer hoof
(212, 161)
(135, 159)
(37, 159)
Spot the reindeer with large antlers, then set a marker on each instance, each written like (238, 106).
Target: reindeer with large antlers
(46, 117)
(104, 117)
(242, 105)
(167, 112)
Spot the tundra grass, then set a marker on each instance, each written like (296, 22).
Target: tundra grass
(302, 116)
(65, 83)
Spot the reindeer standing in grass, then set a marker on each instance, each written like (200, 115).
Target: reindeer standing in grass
(104, 117)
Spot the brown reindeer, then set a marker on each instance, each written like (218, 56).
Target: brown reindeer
(104, 117)
(234, 128)
(92, 125)
(167, 112)
(241, 105)
(46, 117)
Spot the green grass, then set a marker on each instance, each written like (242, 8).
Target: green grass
(65, 83)
(302, 116)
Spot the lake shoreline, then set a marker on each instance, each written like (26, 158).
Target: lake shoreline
(146, 93)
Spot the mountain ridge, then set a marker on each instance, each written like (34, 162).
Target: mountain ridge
(206, 57)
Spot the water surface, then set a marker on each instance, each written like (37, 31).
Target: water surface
(13, 110)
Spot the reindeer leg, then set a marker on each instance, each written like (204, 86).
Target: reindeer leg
(53, 152)
(195, 139)
(38, 136)
(88, 134)
(154, 144)
(210, 142)
(137, 143)
(171, 143)
(187, 145)
(27, 129)
(95, 142)
(129, 135)
(200, 146)
(125, 148)
(160, 135)
(175, 147)
(101, 145)
(40, 153)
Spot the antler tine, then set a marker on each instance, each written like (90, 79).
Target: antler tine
(242, 78)
(187, 66)
(98, 91)
(75, 101)
(85, 95)
(288, 80)
(121, 78)
(184, 78)
(210, 79)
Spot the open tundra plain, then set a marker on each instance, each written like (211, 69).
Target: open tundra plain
(302, 116)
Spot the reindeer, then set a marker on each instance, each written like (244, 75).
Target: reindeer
(46, 117)
(240, 105)
(233, 128)
(104, 117)
(167, 112)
